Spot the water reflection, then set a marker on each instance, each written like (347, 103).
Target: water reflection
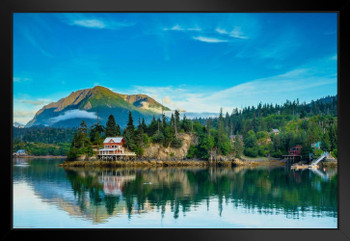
(289, 192)
(101, 194)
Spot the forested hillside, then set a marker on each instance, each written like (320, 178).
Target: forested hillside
(243, 132)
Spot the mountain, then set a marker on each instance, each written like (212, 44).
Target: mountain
(96, 103)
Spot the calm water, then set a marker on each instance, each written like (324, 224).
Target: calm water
(48, 196)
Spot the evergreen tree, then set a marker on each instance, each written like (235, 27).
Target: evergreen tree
(112, 128)
(238, 147)
(96, 134)
(177, 121)
(130, 136)
(222, 141)
(81, 143)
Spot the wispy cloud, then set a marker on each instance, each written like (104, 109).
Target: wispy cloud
(304, 81)
(35, 102)
(209, 39)
(178, 27)
(72, 114)
(23, 113)
(35, 41)
(20, 79)
(91, 21)
(236, 32)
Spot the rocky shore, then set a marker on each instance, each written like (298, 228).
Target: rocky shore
(173, 163)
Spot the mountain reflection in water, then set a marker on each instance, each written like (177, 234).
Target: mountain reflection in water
(98, 195)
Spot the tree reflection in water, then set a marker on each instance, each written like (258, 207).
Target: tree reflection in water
(269, 191)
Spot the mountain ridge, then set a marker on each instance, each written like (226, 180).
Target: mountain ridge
(93, 103)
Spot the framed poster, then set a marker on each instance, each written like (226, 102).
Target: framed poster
(182, 119)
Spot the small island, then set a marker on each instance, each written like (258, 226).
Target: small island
(299, 139)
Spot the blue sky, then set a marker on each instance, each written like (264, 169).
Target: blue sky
(196, 62)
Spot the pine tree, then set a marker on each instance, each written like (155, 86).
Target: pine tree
(112, 128)
(220, 134)
(238, 147)
(129, 134)
(177, 121)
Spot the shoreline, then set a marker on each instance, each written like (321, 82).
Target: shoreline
(47, 156)
(173, 163)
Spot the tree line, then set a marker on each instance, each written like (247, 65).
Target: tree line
(161, 130)
(245, 131)
(297, 123)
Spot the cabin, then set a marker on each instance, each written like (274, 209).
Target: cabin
(112, 145)
(275, 131)
(294, 153)
(113, 149)
(20, 153)
(295, 150)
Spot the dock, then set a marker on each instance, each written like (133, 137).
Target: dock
(301, 166)
(312, 165)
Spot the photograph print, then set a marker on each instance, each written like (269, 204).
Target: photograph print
(175, 120)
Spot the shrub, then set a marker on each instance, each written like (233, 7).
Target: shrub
(191, 151)
(335, 153)
(176, 143)
(157, 138)
(251, 152)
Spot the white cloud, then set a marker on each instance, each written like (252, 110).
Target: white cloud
(71, 114)
(181, 28)
(221, 31)
(20, 79)
(91, 21)
(23, 116)
(167, 100)
(23, 113)
(209, 39)
(35, 102)
(302, 83)
(235, 33)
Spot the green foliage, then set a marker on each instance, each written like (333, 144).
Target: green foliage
(157, 138)
(112, 128)
(49, 135)
(299, 124)
(176, 143)
(41, 149)
(238, 148)
(186, 124)
(317, 152)
(335, 153)
(250, 140)
(191, 151)
(95, 134)
(81, 143)
(251, 151)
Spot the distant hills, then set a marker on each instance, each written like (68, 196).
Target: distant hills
(96, 103)
(18, 125)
